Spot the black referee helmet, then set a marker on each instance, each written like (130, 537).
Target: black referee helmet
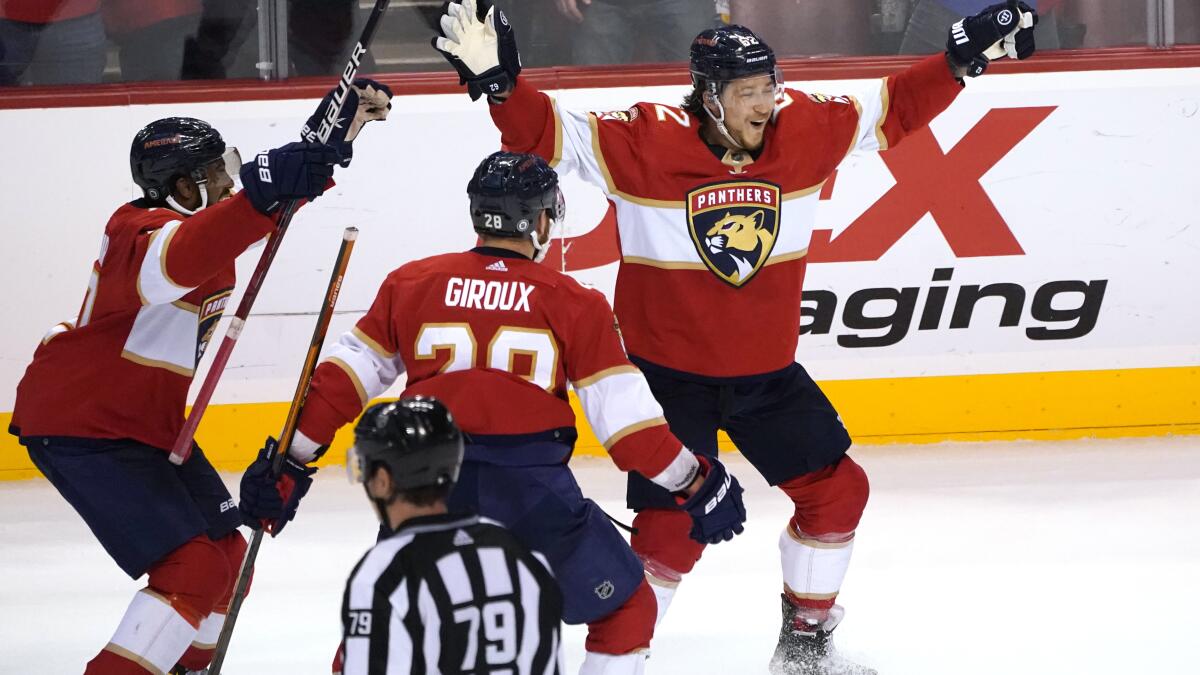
(415, 438)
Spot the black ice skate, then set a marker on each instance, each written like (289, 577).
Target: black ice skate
(806, 644)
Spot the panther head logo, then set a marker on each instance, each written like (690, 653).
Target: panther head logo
(734, 226)
(741, 238)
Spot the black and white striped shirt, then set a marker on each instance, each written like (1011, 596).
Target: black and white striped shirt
(451, 594)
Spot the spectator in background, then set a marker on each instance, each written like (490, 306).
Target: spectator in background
(221, 34)
(628, 31)
(810, 27)
(319, 35)
(926, 30)
(51, 42)
(150, 35)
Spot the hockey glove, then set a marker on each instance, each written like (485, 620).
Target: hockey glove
(477, 40)
(268, 501)
(367, 101)
(999, 30)
(294, 171)
(716, 509)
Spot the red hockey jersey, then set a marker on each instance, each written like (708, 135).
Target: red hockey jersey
(122, 368)
(713, 250)
(498, 338)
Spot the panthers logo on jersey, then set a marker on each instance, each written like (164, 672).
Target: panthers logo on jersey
(734, 226)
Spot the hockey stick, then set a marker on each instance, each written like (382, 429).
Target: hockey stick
(183, 442)
(285, 438)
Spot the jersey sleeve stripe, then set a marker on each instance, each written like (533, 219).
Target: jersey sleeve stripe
(618, 405)
(164, 336)
(607, 372)
(885, 98)
(154, 285)
(632, 429)
(370, 342)
(856, 140)
(57, 329)
(609, 186)
(370, 371)
(558, 133)
(358, 385)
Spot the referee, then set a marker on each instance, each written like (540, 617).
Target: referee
(445, 593)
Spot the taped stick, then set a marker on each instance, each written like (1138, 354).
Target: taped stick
(286, 436)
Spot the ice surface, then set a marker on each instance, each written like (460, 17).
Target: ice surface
(1078, 557)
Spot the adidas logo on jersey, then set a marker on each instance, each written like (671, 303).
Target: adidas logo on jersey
(461, 538)
(508, 296)
(497, 266)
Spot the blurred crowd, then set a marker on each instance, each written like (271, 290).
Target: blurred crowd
(55, 42)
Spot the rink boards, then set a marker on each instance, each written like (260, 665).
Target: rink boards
(1027, 268)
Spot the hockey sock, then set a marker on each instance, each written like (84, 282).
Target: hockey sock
(627, 629)
(200, 653)
(667, 551)
(150, 639)
(815, 546)
(813, 568)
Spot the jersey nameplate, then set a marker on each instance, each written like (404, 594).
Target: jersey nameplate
(734, 226)
(506, 296)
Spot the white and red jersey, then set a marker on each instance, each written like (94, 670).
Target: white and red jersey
(121, 369)
(713, 249)
(498, 338)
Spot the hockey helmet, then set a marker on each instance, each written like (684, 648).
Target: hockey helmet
(170, 148)
(727, 53)
(509, 190)
(415, 438)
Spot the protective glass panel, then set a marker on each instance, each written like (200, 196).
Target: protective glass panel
(70, 42)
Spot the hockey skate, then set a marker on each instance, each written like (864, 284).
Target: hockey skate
(806, 644)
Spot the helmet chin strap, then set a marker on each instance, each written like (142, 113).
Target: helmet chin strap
(189, 212)
(541, 248)
(381, 505)
(720, 121)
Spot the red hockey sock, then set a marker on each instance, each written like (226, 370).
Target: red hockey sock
(628, 629)
(201, 651)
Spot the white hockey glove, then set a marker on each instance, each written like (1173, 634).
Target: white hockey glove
(478, 41)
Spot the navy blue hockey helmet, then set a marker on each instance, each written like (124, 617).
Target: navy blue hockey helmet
(170, 148)
(727, 53)
(509, 190)
(415, 438)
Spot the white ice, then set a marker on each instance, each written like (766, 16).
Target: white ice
(1077, 557)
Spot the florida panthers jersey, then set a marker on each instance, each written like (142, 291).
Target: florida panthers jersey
(713, 249)
(498, 338)
(122, 367)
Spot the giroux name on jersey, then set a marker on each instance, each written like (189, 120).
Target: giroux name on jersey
(508, 296)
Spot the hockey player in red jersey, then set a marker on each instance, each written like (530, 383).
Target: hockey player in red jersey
(715, 204)
(100, 405)
(499, 338)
